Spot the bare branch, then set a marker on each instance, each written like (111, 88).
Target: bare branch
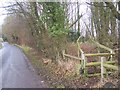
(112, 7)
(10, 13)
(96, 5)
(76, 20)
(8, 6)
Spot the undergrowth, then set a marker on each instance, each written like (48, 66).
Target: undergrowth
(54, 76)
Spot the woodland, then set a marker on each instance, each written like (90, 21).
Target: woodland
(71, 44)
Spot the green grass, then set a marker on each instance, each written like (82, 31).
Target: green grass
(25, 49)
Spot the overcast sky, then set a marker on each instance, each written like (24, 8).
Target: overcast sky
(2, 17)
(2, 11)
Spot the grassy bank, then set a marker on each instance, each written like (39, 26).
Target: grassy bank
(54, 76)
(45, 71)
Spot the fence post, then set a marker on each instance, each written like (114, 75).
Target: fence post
(83, 62)
(63, 54)
(111, 56)
(103, 70)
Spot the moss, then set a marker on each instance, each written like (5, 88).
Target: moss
(60, 86)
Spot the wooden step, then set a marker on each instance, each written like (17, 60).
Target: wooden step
(113, 67)
(99, 54)
(98, 74)
(98, 63)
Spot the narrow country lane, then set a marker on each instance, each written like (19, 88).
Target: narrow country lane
(15, 69)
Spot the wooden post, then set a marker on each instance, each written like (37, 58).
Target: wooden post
(78, 45)
(63, 54)
(83, 62)
(83, 58)
(111, 56)
(103, 59)
(102, 70)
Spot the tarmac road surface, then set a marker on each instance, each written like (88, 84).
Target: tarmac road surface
(15, 69)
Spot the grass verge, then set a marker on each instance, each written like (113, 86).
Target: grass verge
(53, 79)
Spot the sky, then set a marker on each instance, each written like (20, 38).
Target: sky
(2, 17)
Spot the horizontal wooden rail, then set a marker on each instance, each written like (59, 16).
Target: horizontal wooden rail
(99, 54)
(102, 46)
(67, 55)
(98, 63)
(111, 66)
(98, 74)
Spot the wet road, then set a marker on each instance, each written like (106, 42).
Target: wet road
(15, 69)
